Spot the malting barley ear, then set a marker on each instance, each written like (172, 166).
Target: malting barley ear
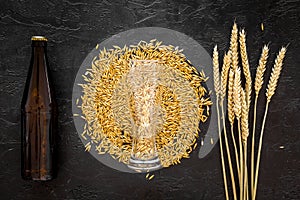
(244, 117)
(230, 104)
(234, 46)
(246, 67)
(259, 78)
(224, 73)
(237, 108)
(217, 83)
(275, 74)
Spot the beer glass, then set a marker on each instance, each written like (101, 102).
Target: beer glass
(143, 79)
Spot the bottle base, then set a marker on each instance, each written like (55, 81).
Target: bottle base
(37, 177)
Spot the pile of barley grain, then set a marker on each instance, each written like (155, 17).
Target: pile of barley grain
(107, 107)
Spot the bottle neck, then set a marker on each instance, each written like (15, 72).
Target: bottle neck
(39, 50)
(35, 43)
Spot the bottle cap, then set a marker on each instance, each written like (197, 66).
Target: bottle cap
(39, 38)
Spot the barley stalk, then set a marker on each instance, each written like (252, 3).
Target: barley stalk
(228, 155)
(257, 86)
(253, 144)
(246, 195)
(237, 108)
(269, 93)
(234, 46)
(246, 67)
(245, 134)
(218, 91)
(241, 158)
(259, 152)
(222, 154)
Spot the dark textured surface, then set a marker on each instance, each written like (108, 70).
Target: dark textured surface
(73, 29)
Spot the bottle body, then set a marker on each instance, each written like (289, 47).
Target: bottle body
(38, 117)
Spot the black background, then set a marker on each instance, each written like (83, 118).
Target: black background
(75, 27)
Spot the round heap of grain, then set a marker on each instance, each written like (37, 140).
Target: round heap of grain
(106, 107)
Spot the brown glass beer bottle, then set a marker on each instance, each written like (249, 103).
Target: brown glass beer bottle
(38, 115)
